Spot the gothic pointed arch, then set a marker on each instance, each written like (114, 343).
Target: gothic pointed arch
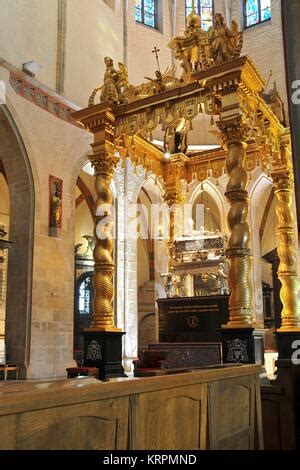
(19, 175)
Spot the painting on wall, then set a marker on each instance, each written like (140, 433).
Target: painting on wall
(55, 206)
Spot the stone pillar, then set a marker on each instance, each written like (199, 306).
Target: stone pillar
(241, 341)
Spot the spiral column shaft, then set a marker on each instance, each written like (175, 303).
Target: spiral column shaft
(283, 181)
(103, 314)
(238, 251)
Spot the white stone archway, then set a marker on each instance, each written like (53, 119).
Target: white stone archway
(259, 192)
(196, 188)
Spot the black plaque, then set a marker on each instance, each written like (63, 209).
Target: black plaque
(192, 319)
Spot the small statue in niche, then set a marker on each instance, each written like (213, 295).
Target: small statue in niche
(55, 202)
(115, 83)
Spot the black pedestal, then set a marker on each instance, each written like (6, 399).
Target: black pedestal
(243, 345)
(288, 346)
(103, 349)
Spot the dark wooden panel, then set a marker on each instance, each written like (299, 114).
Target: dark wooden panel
(272, 400)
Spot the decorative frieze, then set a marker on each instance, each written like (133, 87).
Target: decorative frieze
(41, 99)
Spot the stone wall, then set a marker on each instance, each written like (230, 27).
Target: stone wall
(53, 148)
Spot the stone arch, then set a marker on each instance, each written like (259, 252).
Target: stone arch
(257, 191)
(213, 191)
(20, 262)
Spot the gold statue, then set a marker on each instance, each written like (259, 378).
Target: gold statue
(56, 205)
(163, 81)
(200, 50)
(176, 137)
(225, 44)
(192, 48)
(114, 84)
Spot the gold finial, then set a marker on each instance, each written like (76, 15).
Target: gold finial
(194, 20)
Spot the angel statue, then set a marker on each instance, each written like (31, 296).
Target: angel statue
(163, 81)
(225, 44)
(114, 84)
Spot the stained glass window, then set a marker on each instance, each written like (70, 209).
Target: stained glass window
(256, 11)
(204, 8)
(146, 12)
(84, 298)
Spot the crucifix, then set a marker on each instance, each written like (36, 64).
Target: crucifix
(156, 51)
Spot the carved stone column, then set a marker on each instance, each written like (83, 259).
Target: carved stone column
(283, 180)
(238, 251)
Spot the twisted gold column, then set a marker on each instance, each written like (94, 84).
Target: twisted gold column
(103, 315)
(283, 181)
(174, 172)
(238, 252)
(172, 198)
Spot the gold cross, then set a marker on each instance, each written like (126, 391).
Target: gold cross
(156, 51)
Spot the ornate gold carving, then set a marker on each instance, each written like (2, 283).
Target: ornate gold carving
(117, 89)
(238, 252)
(162, 82)
(168, 114)
(236, 95)
(283, 181)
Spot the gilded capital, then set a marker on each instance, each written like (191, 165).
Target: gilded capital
(104, 163)
(283, 179)
(174, 197)
(233, 131)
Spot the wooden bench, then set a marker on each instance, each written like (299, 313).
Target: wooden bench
(5, 368)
